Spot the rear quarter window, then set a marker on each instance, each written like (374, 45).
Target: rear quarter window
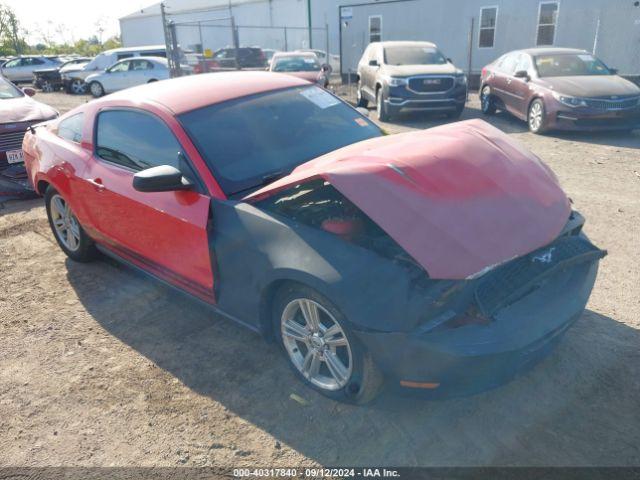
(71, 128)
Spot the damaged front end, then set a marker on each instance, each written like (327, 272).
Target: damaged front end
(455, 336)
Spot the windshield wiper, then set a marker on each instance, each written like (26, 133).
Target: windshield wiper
(265, 180)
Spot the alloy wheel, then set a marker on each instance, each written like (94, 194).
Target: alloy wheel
(316, 344)
(96, 89)
(65, 224)
(535, 116)
(485, 99)
(47, 86)
(77, 87)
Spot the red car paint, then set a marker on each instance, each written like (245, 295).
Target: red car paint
(458, 198)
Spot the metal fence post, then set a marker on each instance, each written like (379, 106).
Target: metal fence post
(174, 54)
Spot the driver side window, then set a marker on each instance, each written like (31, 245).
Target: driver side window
(120, 67)
(135, 140)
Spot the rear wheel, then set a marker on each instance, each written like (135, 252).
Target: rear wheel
(321, 349)
(487, 102)
(96, 89)
(77, 87)
(536, 117)
(69, 234)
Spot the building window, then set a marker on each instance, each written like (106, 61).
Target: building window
(488, 19)
(375, 28)
(547, 21)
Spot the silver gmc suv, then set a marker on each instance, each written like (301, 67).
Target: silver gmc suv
(410, 75)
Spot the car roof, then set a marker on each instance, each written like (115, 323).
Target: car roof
(406, 43)
(295, 54)
(136, 49)
(550, 51)
(191, 92)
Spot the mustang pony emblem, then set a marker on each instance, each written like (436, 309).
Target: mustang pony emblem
(545, 257)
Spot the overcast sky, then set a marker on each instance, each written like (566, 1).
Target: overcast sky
(69, 20)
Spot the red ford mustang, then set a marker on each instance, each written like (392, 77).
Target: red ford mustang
(445, 260)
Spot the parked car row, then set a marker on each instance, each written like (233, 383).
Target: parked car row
(550, 88)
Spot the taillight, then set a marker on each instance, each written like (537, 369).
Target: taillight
(484, 72)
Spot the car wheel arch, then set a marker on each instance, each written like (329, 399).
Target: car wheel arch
(270, 291)
(41, 186)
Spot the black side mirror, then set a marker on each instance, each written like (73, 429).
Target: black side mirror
(164, 178)
(449, 60)
(521, 74)
(614, 71)
(373, 63)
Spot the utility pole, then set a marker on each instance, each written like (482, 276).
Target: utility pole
(309, 21)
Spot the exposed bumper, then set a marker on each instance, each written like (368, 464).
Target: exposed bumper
(470, 359)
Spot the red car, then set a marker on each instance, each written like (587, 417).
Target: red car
(445, 260)
(560, 88)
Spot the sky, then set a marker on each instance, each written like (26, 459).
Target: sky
(70, 20)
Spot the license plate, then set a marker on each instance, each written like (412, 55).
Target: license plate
(432, 82)
(15, 156)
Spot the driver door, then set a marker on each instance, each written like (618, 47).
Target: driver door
(116, 76)
(163, 232)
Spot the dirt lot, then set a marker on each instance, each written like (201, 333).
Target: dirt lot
(99, 366)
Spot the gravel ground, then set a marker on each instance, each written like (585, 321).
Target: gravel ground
(100, 366)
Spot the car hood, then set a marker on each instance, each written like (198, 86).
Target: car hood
(459, 198)
(409, 70)
(73, 68)
(24, 109)
(591, 85)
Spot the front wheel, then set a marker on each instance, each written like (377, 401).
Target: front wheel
(66, 228)
(361, 101)
(47, 86)
(96, 89)
(320, 348)
(382, 108)
(536, 117)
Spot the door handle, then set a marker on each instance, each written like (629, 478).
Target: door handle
(97, 184)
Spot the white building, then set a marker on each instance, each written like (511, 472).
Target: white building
(471, 32)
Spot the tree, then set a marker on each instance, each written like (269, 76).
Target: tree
(11, 35)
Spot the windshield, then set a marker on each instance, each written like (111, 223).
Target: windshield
(567, 65)
(403, 55)
(8, 90)
(250, 141)
(296, 64)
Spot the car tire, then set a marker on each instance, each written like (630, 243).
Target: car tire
(536, 117)
(361, 101)
(77, 87)
(96, 89)
(47, 86)
(382, 108)
(344, 370)
(487, 101)
(66, 228)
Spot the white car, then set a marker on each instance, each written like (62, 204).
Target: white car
(332, 60)
(128, 73)
(21, 69)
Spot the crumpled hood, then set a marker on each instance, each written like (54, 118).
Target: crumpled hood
(459, 198)
(24, 109)
(591, 85)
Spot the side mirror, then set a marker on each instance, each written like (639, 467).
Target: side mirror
(325, 68)
(363, 111)
(29, 91)
(521, 74)
(449, 60)
(373, 63)
(164, 178)
(614, 71)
